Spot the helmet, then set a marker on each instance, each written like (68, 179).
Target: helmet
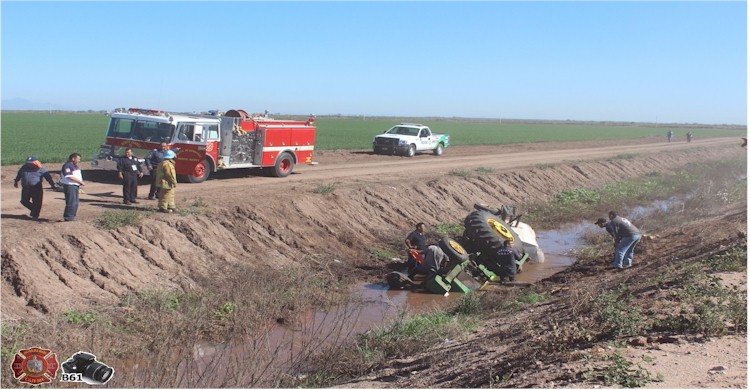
(169, 154)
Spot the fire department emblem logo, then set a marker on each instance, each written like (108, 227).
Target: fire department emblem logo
(35, 366)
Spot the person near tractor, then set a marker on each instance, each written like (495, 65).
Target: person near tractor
(434, 259)
(416, 240)
(72, 181)
(166, 181)
(30, 175)
(129, 171)
(153, 159)
(626, 237)
(507, 257)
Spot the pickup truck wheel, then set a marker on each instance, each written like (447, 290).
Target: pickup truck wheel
(201, 172)
(284, 165)
(488, 231)
(439, 150)
(412, 151)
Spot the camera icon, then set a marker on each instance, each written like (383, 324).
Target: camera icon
(83, 367)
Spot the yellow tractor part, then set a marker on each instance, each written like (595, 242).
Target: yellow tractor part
(457, 247)
(500, 229)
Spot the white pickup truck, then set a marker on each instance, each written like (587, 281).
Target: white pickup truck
(408, 139)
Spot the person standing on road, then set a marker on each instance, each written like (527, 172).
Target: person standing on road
(166, 181)
(670, 134)
(71, 180)
(507, 257)
(30, 175)
(689, 136)
(129, 171)
(626, 238)
(154, 158)
(415, 240)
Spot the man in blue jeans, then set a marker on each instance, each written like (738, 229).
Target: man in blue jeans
(626, 237)
(71, 180)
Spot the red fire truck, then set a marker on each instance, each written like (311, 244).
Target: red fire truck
(206, 143)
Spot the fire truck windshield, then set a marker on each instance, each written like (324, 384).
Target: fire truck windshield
(140, 130)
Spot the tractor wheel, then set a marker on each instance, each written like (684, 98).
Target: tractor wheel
(412, 151)
(453, 249)
(488, 231)
(439, 150)
(201, 172)
(284, 165)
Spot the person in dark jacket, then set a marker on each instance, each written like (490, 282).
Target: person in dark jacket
(153, 159)
(507, 257)
(415, 240)
(30, 175)
(129, 171)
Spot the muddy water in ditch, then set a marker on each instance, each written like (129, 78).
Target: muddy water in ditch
(286, 347)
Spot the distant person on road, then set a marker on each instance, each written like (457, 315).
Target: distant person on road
(71, 180)
(626, 237)
(30, 175)
(166, 181)
(689, 136)
(507, 257)
(129, 171)
(153, 159)
(670, 134)
(415, 240)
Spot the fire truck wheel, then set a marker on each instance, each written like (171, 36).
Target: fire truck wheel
(201, 172)
(284, 165)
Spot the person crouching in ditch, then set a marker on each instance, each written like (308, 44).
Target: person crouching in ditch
(166, 181)
(507, 257)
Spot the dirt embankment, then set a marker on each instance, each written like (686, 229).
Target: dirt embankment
(330, 215)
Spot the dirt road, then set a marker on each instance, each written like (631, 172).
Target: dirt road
(348, 166)
(50, 267)
(278, 222)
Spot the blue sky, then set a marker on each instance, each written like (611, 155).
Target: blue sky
(625, 61)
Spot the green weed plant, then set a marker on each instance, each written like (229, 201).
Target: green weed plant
(116, 218)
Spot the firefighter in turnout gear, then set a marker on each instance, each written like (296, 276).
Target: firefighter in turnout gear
(166, 181)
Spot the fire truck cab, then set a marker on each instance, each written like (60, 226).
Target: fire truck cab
(206, 143)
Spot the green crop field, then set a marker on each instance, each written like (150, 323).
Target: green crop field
(53, 136)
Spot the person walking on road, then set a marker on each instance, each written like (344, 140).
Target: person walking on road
(129, 171)
(30, 175)
(153, 159)
(166, 181)
(71, 180)
(626, 237)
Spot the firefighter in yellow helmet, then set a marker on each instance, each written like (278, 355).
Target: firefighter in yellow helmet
(166, 182)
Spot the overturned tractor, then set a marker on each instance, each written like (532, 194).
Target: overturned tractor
(474, 261)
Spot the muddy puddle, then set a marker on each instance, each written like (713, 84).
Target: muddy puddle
(373, 305)
(285, 346)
